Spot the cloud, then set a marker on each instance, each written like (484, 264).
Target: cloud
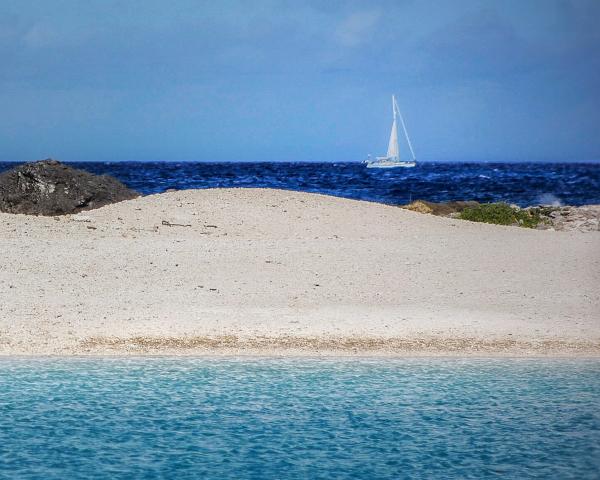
(357, 27)
(10, 28)
(40, 35)
(46, 34)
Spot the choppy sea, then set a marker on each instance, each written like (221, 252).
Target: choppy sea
(299, 418)
(523, 184)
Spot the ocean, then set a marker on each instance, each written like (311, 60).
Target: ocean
(522, 184)
(190, 418)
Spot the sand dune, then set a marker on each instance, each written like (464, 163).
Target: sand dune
(275, 272)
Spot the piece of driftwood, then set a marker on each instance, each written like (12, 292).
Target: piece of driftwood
(169, 224)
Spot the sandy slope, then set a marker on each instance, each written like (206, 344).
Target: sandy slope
(267, 271)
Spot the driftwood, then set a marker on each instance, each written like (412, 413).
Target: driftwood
(169, 224)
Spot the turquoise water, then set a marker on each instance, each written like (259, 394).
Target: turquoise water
(275, 418)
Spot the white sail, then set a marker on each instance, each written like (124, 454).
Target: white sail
(393, 150)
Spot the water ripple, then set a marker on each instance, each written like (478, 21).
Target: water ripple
(226, 418)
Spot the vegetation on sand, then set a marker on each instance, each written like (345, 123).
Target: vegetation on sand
(502, 214)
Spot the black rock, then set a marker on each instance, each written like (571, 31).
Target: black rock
(49, 187)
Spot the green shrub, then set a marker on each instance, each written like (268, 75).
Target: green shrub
(502, 214)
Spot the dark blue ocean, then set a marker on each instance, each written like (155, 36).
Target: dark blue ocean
(523, 184)
(299, 418)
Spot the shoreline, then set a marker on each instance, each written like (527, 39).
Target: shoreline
(320, 347)
(344, 347)
(302, 354)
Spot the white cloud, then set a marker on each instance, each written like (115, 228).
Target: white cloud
(357, 27)
(48, 34)
(40, 35)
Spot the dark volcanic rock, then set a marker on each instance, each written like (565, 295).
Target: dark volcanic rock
(49, 187)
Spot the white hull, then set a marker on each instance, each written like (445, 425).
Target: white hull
(391, 164)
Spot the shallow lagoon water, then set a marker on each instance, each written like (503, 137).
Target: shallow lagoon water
(299, 418)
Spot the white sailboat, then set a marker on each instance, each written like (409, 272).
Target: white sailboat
(392, 159)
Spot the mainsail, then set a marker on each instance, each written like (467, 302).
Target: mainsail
(393, 151)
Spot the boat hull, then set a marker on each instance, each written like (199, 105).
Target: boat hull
(391, 164)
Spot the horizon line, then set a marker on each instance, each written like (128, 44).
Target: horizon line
(302, 161)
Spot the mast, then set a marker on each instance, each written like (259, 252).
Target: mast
(403, 127)
(393, 151)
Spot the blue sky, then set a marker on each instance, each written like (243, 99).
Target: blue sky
(298, 80)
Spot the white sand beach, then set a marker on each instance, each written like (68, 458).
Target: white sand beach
(256, 271)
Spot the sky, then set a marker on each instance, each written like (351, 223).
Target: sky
(226, 80)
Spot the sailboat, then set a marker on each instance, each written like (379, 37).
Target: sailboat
(392, 159)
